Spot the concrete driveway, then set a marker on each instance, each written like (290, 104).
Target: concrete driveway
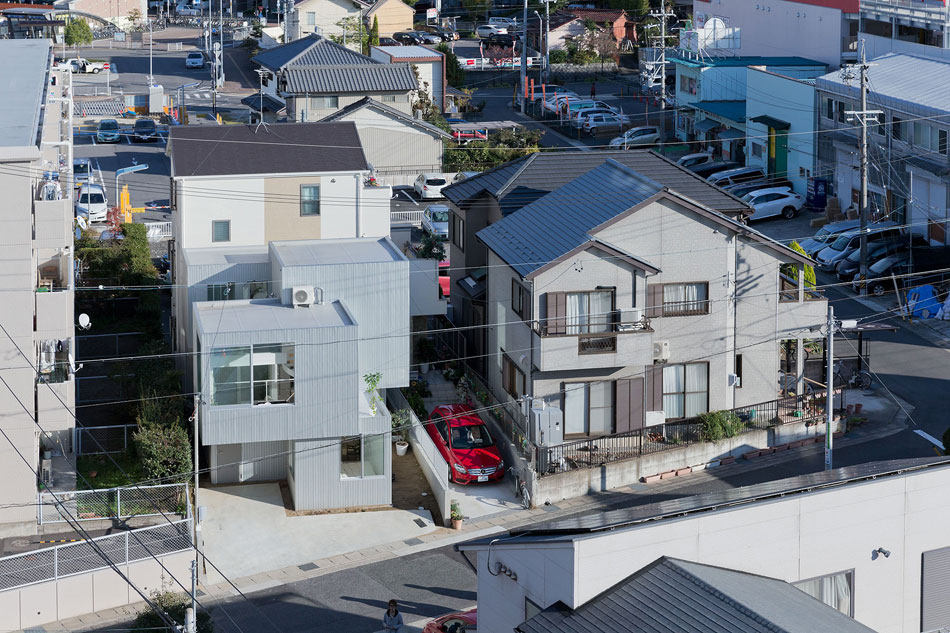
(246, 531)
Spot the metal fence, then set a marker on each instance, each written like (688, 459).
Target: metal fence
(100, 440)
(156, 231)
(406, 217)
(592, 452)
(112, 503)
(58, 562)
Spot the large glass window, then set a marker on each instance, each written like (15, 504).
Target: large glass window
(685, 390)
(230, 291)
(259, 374)
(588, 408)
(309, 199)
(363, 456)
(834, 590)
(685, 299)
(322, 103)
(590, 312)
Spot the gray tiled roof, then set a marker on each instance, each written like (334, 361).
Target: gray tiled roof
(522, 181)
(360, 78)
(373, 104)
(313, 50)
(23, 79)
(272, 149)
(677, 595)
(556, 224)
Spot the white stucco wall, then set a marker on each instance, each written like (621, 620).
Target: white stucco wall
(326, 15)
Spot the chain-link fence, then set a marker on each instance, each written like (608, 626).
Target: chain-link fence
(75, 558)
(99, 440)
(112, 503)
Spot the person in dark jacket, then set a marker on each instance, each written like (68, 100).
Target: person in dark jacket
(392, 619)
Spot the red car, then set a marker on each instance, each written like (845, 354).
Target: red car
(465, 443)
(444, 282)
(461, 622)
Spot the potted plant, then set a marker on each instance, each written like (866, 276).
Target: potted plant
(372, 381)
(400, 421)
(456, 515)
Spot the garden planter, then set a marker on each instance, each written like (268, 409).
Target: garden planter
(849, 409)
(668, 474)
(649, 479)
(456, 524)
(683, 471)
(401, 448)
(857, 408)
(727, 460)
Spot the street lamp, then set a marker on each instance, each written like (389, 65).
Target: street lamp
(540, 24)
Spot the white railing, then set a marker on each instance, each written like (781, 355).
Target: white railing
(53, 563)
(156, 231)
(111, 503)
(406, 217)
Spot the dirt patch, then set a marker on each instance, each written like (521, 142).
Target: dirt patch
(409, 484)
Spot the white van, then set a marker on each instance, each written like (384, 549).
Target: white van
(505, 22)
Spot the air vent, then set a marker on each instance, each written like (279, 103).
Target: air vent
(302, 296)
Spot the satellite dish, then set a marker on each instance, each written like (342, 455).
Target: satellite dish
(84, 321)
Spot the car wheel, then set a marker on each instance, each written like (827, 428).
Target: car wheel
(789, 212)
(95, 71)
(878, 289)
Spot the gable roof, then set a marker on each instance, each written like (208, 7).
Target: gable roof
(677, 595)
(358, 78)
(559, 223)
(373, 104)
(273, 149)
(598, 15)
(522, 181)
(313, 50)
(374, 7)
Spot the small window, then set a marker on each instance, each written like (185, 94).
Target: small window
(835, 590)
(363, 456)
(942, 142)
(389, 98)
(458, 232)
(331, 102)
(309, 199)
(685, 390)
(881, 128)
(757, 150)
(896, 131)
(830, 109)
(520, 300)
(685, 299)
(841, 111)
(221, 230)
(311, 18)
(738, 370)
(512, 377)
(324, 103)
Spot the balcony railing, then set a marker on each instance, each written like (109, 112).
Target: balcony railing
(919, 9)
(597, 343)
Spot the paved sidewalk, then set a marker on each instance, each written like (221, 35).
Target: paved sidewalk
(936, 331)
(886, 418)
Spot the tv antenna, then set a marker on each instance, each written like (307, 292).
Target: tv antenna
(260, 74)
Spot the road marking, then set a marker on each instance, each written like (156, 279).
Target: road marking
(930, 438)
(93, 137)
(128, 139)
(408, 197)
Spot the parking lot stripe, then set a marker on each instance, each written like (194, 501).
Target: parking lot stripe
(128, 139)
(93, 137)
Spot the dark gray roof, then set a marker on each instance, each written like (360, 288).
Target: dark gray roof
(313, 50)
(221, 150)
(677, 595)
(359, 78)
(524, 180)
(559, 222)
(270, 103)
(23, 79)
(373, 104)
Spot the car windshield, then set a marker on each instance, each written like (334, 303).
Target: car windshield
(194, 55)
(92, 198)
(435, 181)
(842, 242)
(81, 169)
(145, 124)
(882, 265)
(471, 436)
(108, 124)
(439, 216)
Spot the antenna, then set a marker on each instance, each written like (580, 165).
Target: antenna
(260, 75)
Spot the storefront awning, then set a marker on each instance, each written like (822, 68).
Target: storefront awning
(731, 134)
(775, 124)
(705, 125)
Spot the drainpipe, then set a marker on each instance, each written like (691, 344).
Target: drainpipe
(359, 210)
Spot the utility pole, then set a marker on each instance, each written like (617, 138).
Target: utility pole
(863, 116)
(830, 378)
(547, 41)
(524, 53)
(662, 15)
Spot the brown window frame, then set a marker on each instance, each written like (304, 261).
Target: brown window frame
(669, 312)
(520, 300)
(510, 374)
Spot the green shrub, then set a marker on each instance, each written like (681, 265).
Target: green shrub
(558, 56)
(174, 605)
(163, 451)
(77, 32)
(718, 425)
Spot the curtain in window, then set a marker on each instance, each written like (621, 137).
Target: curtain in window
(842, 592)
(575, 408)
(600, 306)
(696, 389)
(601, 410)
(576, 312)
(673, 386)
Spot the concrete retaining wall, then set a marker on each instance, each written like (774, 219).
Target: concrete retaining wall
(72, 596)
(582, 481)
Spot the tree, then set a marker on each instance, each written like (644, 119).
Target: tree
(174, 605)
(135, 16)
(499, 148)
(374, 32)
(353, 32)
(164, 452)
(431, 247)
(454, 74)
(603, 43)
(78, 32)
(810, 279)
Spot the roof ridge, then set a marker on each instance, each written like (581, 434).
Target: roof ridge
(529, 159)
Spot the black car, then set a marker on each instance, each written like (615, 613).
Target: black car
(388, 41)
(496, 39)
(144, 130)
(407, 39)
(705, 170)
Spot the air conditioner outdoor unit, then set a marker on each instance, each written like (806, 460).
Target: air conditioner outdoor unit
(661, 350)
(630, 319)
(302, 296)
(734, 381)
(46, 471)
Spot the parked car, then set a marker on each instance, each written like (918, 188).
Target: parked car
(743, 188)
(108, 131)
(696, 159)
(428, 38)
(83, 65)
(577, 116)
(597, 122)
(553, 101)
(508, 23)
(637, 137)
(82, 171)
(879, 274)
(826, 235)
(707, 169)
(487, 30)
(460, 622)
(736, 176)
(769, 203)
(435, 220)
(144, 130)
(848, 241)
(388, 41)
(408, 39)
(465, 444)
(445, 282)
(91, 203)
(195, 59)
(429, 186)
(502, 40)
(544, 92)
(848, 267)
(444, 34)
(462, 175)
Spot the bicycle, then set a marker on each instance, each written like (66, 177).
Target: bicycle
(859, 379)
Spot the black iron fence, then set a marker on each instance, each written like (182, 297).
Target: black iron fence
(597, 451)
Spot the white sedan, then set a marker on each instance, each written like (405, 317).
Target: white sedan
(768, 203)
(486, 30)
(91, 203)
(429, 186)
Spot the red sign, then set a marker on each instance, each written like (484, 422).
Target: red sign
(105, 66)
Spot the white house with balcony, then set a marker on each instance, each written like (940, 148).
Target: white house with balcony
(625, 305)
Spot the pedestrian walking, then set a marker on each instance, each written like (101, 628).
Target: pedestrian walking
(392, 619)
(593, 89)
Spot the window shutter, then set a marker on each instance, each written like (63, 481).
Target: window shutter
(629, 409)
(654, 300)
(557, 312)
(654, 387)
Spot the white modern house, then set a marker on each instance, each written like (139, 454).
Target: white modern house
(38, 404)
(321, 17)
(870, 542)
(289, 293)
(914, 28)
(428, 63)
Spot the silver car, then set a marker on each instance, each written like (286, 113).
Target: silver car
(597, 122)
(637, 137)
